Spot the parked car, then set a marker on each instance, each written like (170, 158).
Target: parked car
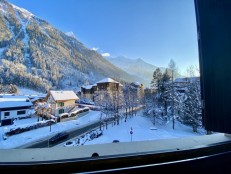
(99, 133)
(58, 137)
(115, 141)
(69, 143)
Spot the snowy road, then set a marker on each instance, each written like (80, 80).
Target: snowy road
(72, 134)
(32, 137)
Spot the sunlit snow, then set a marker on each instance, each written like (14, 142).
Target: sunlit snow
(141, 126)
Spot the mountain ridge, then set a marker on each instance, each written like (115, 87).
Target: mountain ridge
(41, 56)
(136, 67)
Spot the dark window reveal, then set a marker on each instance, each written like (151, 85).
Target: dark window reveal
(213, 25)
(61, 111)
(6, 113)
(21, 112)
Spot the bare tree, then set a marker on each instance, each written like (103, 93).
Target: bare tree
(173, 68)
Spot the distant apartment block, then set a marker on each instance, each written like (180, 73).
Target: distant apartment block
(110, 87)
(107, 85)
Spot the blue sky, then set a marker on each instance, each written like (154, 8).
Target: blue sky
(154, 30)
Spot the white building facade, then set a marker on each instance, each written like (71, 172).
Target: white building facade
(14, 107)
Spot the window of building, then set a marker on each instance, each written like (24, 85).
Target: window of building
(61, 111)
(60, 104)
(21, 112)
(6, 114)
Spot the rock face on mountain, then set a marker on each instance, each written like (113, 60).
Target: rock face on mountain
(34, 54)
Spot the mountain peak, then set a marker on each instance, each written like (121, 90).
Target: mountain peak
(25, 13)
(70, 34)
(137, 67)
(139, 60)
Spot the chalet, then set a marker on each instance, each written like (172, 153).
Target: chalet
(14, 107)
(61, 101)
(181, 83)
(88, 91)
(106, 84)
(109, 85)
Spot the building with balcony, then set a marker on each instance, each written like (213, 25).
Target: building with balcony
(61, 101)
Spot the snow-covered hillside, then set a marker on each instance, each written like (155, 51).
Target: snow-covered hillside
(26, 91)
(38, 56)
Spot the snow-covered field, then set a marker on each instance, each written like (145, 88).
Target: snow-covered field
(142, 129)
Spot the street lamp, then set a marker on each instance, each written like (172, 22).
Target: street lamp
(50, 123)
(48, 141)
(131, 132)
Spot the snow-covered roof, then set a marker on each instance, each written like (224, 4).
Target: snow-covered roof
(138, 83)
(13, 97)
(7, 103)
(181, 80)
(10, 101)
(87, 86)
(63, 95)
(107, 80)
(186, 79)
(36, 96)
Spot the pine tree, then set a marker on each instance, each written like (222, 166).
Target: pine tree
(165, 89)
(156, 79)
(192, 112)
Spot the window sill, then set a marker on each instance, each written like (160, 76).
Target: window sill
(115, 155)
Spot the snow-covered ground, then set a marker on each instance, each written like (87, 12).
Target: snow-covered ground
(41, 133)
(25, 91)
(143, 129)
(141, 126)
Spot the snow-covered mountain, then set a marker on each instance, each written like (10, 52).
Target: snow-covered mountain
(136, 67)
(34, 54)
(71, 34)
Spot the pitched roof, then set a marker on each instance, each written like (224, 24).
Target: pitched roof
(63, 95)
(107, 80)
(13, 97)
(187, 79)
(11, 103)
(87, 86)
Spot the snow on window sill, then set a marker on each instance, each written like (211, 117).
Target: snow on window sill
(111, 149)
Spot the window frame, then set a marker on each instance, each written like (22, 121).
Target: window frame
(21, 112)
(201, 153)
(61, 111)
(60, 104)
(6, 114)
